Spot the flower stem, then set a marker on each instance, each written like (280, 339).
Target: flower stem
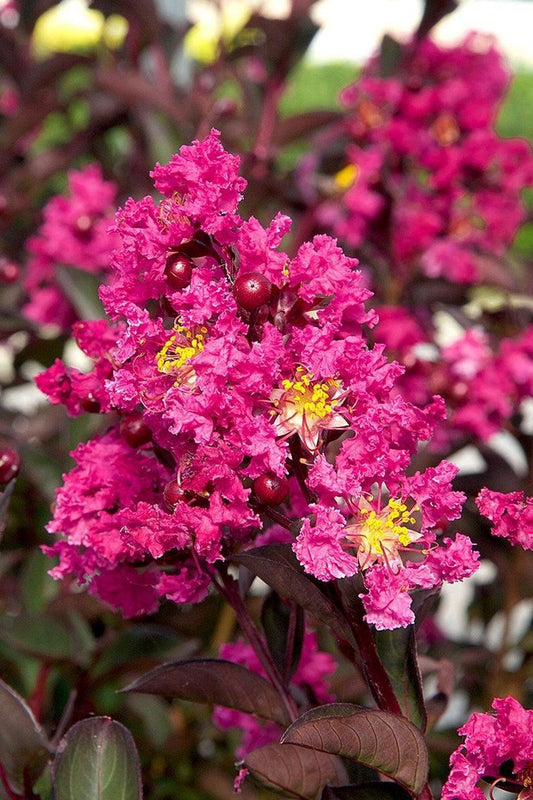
(228, 588)
(372, 667)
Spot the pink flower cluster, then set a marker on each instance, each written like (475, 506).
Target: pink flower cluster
(484, 381)
(246, 394)
(309, 678)
(511, 513)
(498, 748)
(427, 184)
(74, 233)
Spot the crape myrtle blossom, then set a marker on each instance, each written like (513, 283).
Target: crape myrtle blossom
(482, 379)
(74, 233)
(426, 182)
(310, 680)
(511, 514)
(498, 747)
(229, 366)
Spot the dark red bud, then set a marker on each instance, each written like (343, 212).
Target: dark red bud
(178, 270)
(252, 290)
(9, 272)
(90, 403)
(134, 430)
(9, 464)
(270, 489)
(173, 494)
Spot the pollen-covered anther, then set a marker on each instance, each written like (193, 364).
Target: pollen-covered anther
(178, 351)
(307, 407)
(380, 535)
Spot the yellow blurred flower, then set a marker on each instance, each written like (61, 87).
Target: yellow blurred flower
(72, 27)
(217, 26)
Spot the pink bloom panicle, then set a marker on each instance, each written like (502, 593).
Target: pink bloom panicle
(214, 386)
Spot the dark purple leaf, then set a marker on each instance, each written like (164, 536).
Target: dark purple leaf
(24, 748)
(371, 790)
(278, 567)
(386, 742)
(295, 770)
(284, 629)
(398, 653)
(211, 680)
(97, 760)
(390, 57)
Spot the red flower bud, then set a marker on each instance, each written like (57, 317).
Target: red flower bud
(252, 290)
(9, 464)
(270, 489)
(173, 494)
(134, 430)
(178, 270)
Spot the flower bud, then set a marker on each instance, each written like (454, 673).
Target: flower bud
(270, 489)
(252, 290)
(173, 493)
(178, 270)
(9, 464)
(134, 430)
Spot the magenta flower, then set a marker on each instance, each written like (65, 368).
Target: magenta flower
(229, 364)
(498, 748)
(75, 234)
(511, 515)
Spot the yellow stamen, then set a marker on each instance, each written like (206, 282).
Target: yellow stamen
(347, 176)
(306, 407)
(379, 535)
(179, 349)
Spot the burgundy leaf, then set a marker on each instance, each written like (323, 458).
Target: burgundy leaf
(370, 790)
(295, 770)
(23, 746)
(278, 567)
(386, 742)
(211, 680)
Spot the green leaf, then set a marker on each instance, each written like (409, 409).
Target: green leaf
(36, 585)
(81, 289)
(24, 748)
(211, 680)
(398, 653)
(278, 567)
(97, 760)
(386, 742)
(295, 770)
(37, 635)
(135, 643)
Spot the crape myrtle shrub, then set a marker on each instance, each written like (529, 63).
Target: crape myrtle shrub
(282, 361)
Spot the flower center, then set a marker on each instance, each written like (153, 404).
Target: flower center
(379, 535)
(181, 348)
(446, 130)
(306, 407)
